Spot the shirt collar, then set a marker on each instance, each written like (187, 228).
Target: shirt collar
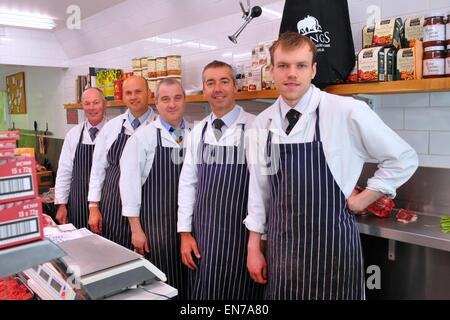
(168, 126)
(300, 106)
(142, 118)
(98, 126)
(228, 118)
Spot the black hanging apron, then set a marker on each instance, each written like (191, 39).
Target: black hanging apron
(115, 226)
(78, 211)
(158, 215)
(219, 211)
(327, 24)
(313, 242)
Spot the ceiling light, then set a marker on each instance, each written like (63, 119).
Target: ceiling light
(27, 20)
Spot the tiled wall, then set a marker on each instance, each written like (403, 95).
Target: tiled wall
(423, 120)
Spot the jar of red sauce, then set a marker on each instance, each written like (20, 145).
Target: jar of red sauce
(434, 30)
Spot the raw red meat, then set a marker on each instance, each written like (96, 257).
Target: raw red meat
(406, 216)
(382, 207)
(12, 289)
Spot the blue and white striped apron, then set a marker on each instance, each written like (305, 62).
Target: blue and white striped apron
(220, 208)
(158, 215)
(313, 242)
(77, 205)
(115, 226)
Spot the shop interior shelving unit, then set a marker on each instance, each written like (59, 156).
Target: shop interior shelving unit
(391, 87)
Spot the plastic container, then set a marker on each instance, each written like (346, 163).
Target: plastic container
(434, 62)
(434, 30)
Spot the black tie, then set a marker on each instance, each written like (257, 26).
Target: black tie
(178, 134)
(292, 116)
(93, 133)
(218, 124)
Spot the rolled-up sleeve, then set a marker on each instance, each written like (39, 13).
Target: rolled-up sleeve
(188, 185)
(397, 160)
(259, 188)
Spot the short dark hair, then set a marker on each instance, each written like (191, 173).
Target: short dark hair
(168, 82)
(219, 64)
(291, 41)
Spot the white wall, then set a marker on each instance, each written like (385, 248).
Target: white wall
(423, 120)
(44, 97)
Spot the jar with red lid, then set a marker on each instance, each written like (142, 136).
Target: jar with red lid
(434, 30)
(447, 62)
(434, 62)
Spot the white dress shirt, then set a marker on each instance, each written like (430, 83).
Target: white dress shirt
(67, 156)
(351, 134)
(104, 141)
(188, 178)
(137, 161)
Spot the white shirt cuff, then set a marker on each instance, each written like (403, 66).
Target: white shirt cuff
(131, 211)
(253, 225)
(375, 184)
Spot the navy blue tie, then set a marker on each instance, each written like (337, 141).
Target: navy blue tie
(135, 124)
(93, 133)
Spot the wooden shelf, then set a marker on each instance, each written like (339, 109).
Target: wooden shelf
(248, 95)
(391, 87)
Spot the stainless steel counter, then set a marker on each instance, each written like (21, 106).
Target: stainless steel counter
(426, 231)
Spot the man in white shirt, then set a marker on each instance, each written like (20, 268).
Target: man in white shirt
(150, 170)
(212, 198)
(307, 152)
(75, 161)
(105, 207)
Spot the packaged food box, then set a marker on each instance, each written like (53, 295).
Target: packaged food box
(8, 135)
(388, 33)
(7, 144)
(409, 63)
(367, 36)
(390, 61)
(413, 31)
(20, 222)
(353, 76)
(18, 180)
(118, 94)
(267, 81)
(371, 64)
(255, 79)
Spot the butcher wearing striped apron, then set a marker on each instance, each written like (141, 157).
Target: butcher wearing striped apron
(150, 172)
(105, 206)
(78, 211)
(302, 190)
(75, 161)
(215, 175)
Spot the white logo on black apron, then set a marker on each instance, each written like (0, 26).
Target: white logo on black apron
(310, 27)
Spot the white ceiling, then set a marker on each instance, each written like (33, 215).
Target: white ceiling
(57, 8)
